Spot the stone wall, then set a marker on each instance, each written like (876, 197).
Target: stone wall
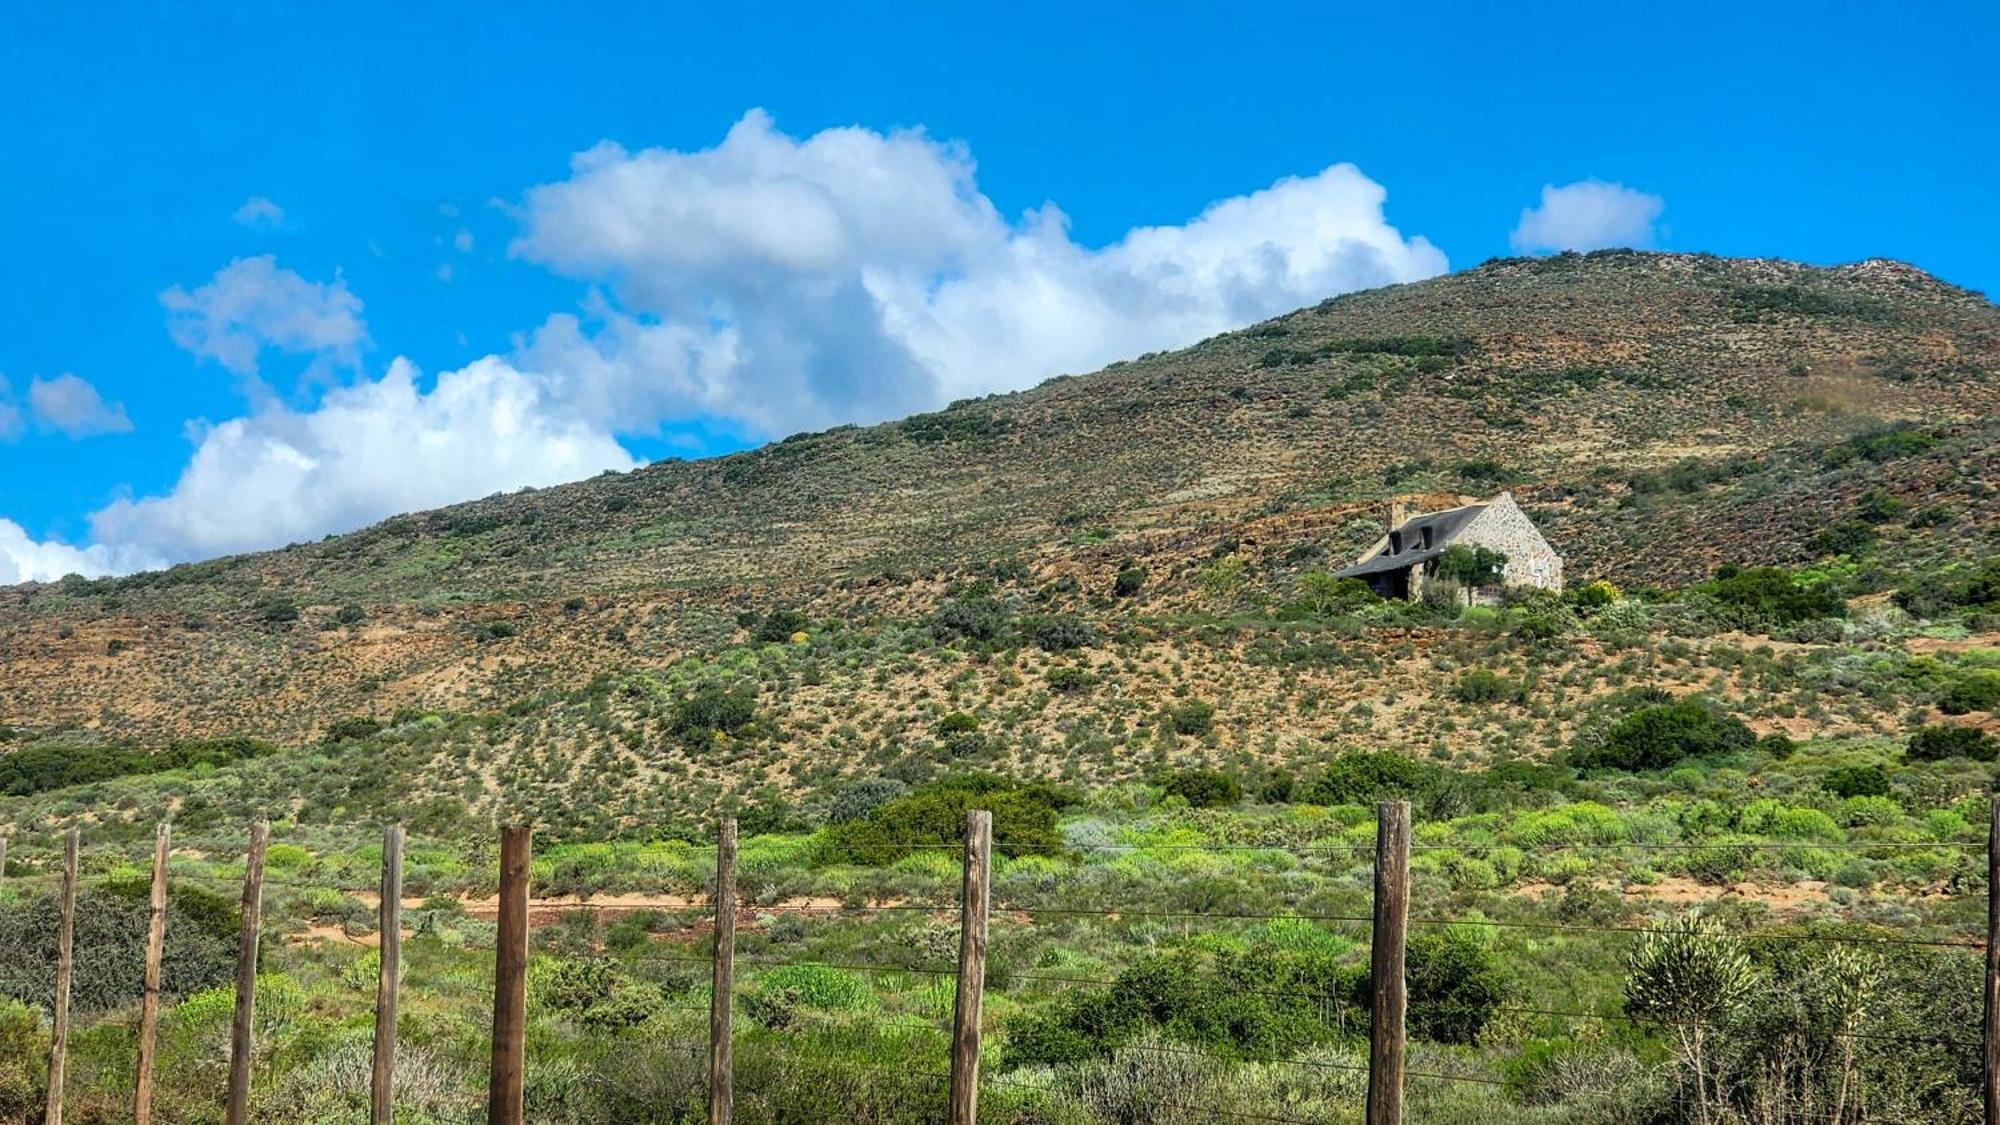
(1505, 528)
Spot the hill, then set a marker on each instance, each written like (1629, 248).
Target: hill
(1658, 415)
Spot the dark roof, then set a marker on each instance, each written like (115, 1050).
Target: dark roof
(1443, 526)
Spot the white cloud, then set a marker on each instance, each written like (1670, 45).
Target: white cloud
(258, 211)
(74, 407)
(11, 421)
(462, 241)
(777, 282)
(252, 304)
(855, 275)
(366, 452)
(1587, 215)
(25, 559)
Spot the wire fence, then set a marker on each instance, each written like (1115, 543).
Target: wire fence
(1019, 912)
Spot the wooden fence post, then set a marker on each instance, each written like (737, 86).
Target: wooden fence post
(389, 925)
(237, 1108)
(52, 1113)
(1992, 1031)
(1390, 998)
(975, 901)
(721, 1053)
(505, 1102)
(149, 1001)
(3, 860)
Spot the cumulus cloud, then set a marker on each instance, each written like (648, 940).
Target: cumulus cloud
(252, 304)
(26, 559)
(1587, 215)
(367, 451)
(258, 211)
(856, 275)
(72, 406)
(777, 282)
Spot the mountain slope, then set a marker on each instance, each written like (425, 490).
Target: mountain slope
(1658, 414)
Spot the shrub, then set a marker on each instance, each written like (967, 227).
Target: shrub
(1594, 595)
(933, 816)
(1471, 567)
(1976, 691)
(1484, 686)
(958, 722)
(1194, 718)
(1059, 633)
(1935, 593)
(1068, 678)
(711, 709)
(487, 631)
(110, 943)
(1322, 594)
(857, 799)
(1771, 595)
(1455, 985)
(1657, 737)
(1364, 777)
(1938, 742)
(970, 618)
(277, 611)
(1857, 781)
(1203, 788)
(785, 994)
(37, 769)
(778, 626)
(1128, 582)
(353, 729)
(350, 615)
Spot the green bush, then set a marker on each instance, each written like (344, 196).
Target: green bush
(110, 944)
(1484, 686)
(970, 618)
(37, 769)
(1193, 718)
(1364, 777)
(1664, 735)
(784, 994)
(1857, 781)
(1059, 633)
(778, 626)
(711, 709)
(1938, 742)
(932, 817)
(1128, 582)
(1771, 595)
(1455, 985)
(1203, 788)
(353, 729)
(1976, 691)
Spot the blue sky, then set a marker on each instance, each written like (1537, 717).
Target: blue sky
(227, 228)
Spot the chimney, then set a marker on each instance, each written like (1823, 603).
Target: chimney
(1398, 512)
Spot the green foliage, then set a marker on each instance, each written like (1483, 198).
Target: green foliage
(110, 944)
(488, 631)
(1128, 582)
(1877, 446)
(1193, 718)
(1857, 781)
(37, 769)
(1978, 690)
(591, 991)
(933, 816)
(958, 722)
(975, 618)
(1771, 595)
(1939, 592)
(1058, 633)
(713, 709)
(858, 798)
(1664, 735)
(1455, 985)
(1364, 777)
(1202, 788)
(1471, 567)
(1323, 595)
(1482, 685)
(1937, 742)
(778, 626)
(353, 729)
(783, 996)
(276, 611)
(350, 614)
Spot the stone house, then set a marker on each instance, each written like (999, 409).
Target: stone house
(1405, 558)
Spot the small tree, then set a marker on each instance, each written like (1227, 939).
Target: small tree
(1471, 567)
(1686, 976)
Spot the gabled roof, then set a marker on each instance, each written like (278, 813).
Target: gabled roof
(1443, 527)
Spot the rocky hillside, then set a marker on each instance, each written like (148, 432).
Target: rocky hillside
(1657, 414)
